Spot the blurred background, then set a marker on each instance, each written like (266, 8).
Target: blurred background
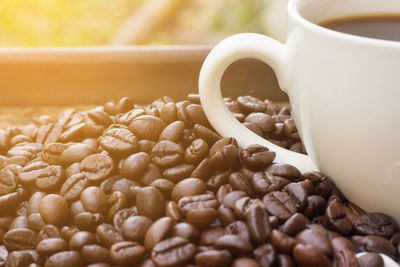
(135, 22)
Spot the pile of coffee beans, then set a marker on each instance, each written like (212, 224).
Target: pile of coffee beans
(130, 185)
(270, 120)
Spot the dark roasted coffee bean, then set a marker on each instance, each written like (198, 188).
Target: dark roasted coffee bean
(185, 230)
(157, 232)
(223, 190)
(9, 202)
(29, 150)
(226, 215)
(151, 173)
(285, 261)
(168, 112)
(196, 151)
(167, 154)
(8, 182)
(118, 141)
(266, 255)
(337, 218)
(20, 239)
(181, 111)
(172, 211)
(88, 221)
(129, 116)
(280, 204)
(210, 235)
(282, 242)
(51, 153)
(371, 260)
(256, 157)
(95, 253)
(173, 132)
(94, 200)
(76, 207)
(97, 167)
(244, 204)
(341, 243)
(134, 228)
(264, 183)
(207, 200)
(34, 202)
(188, 187)
(123, 186)
(80, 239)
(234, 244)
(218, 179)
(244, 261)
(202, 217)
(19, 259)
(35, 222)
(372, 243)
(127, 253)
(116, 201)
(175, 251)
(74, 168)
(352, 211)
(238, 228)
(262, 120)
(250, 104)
(196, 114)
(19, 222)
(258, 224)
(178, 173)
(54, 209)
(315, 206)
(214, 258)
(318, 237)
(224, 153)
(150, 203)
(65, 259)
(49, 133)
(206, 134)
(147, 127)
(241, 183)
(308, 255)
(3, 255)
(121, 216)
(290, 130)
(298, 193)
(322, 185)
(99, 117)
(253, 127)
(73, 133)
(284, 170)
(164, 186)
(108, 183)
(51, 246)
(345, 258)
(374, 224)
(230, 198)
(107, 235)
(73, 186)
(76, 153)
(49, 231)
(296, 223)
(203, 170)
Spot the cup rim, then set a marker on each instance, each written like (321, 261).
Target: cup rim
(293, 12)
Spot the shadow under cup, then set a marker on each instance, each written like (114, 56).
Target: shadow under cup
(346, 106)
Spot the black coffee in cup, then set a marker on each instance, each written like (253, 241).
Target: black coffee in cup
(386, 27)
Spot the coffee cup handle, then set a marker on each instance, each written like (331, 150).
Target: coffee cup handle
(244, 45)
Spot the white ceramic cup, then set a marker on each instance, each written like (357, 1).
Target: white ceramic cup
(345, 95)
